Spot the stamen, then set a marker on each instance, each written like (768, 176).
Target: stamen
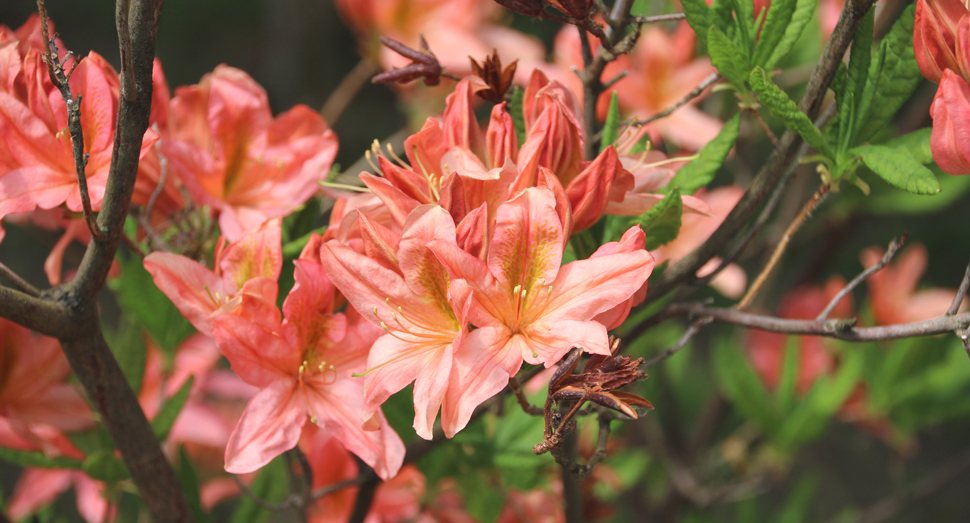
(396, 158)
(343, 186)
(367, 156)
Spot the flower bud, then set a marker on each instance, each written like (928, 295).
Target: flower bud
(935, 36)
(950, 141)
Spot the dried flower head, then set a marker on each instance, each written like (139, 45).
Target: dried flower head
(599, 380)
(499, 80)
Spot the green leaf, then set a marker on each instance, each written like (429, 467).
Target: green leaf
(783, 108)
(105, 466)
(272, 486)
(170, 410)
(612, 125)
(701, 170)
(730, 61)
(699, 17)
(128, 347)
(661, 223)
(744, 21)
(893, 76)
(138, 296)
(860, 60)
(799, 501)
(899, 168)
(776, 21)
(515, 109)
(190, 486)
(803, 15)
(37, 459)
(743, 387)
(916, 143)
(293, 248)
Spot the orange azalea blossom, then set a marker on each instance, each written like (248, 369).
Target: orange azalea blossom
(395, 501)
(223, 143)
(36, 403)
(454, 30)
(892, 291)
(37, 488)
(662, 70)
(304, 367)
(36, 158)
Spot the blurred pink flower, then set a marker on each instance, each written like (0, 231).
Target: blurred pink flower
(223, 143)
(892, 291)
(37, 488)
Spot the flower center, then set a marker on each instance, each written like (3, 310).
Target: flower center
(318, 373)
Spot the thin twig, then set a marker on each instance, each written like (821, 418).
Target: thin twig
(61, 81)
(697, 91)
(782, 245)
(843, 329)
(890, 252)
(347, 89)
(764, 127)
(681, 343)
(961, 294)
(18, 282)
(656, 19)
(527, 407)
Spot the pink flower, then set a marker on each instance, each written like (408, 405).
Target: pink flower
(695, 229)
(36, 401)
(399, 285)
(251, 264)
(662, 70)
(231, 154)
(38, 488)
(892, 291)
(528, 307)
(939, 38)
(950, 140)
(304, 367)
(395, 501)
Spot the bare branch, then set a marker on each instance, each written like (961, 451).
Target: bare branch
(777, 163)
(330, 489)
(18, 282)
(782, 245)
(890, 252)
(365, 496)
(37, 313)
(697, 91)
(843, 329)
(659, 18)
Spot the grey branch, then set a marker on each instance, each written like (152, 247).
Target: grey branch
(890, 252)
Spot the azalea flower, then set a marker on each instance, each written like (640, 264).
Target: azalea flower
(37, 488)
(251, 264)
(527, 307)
(223, 143)
(37, 404)
(892, 290)
(662, 70)
(304, 367)
(395, 500)
(400, 286)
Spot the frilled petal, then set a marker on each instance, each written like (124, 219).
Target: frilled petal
(270, 425)
(195, 290)
(950, 140)
(257, 355)
(258, 253)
